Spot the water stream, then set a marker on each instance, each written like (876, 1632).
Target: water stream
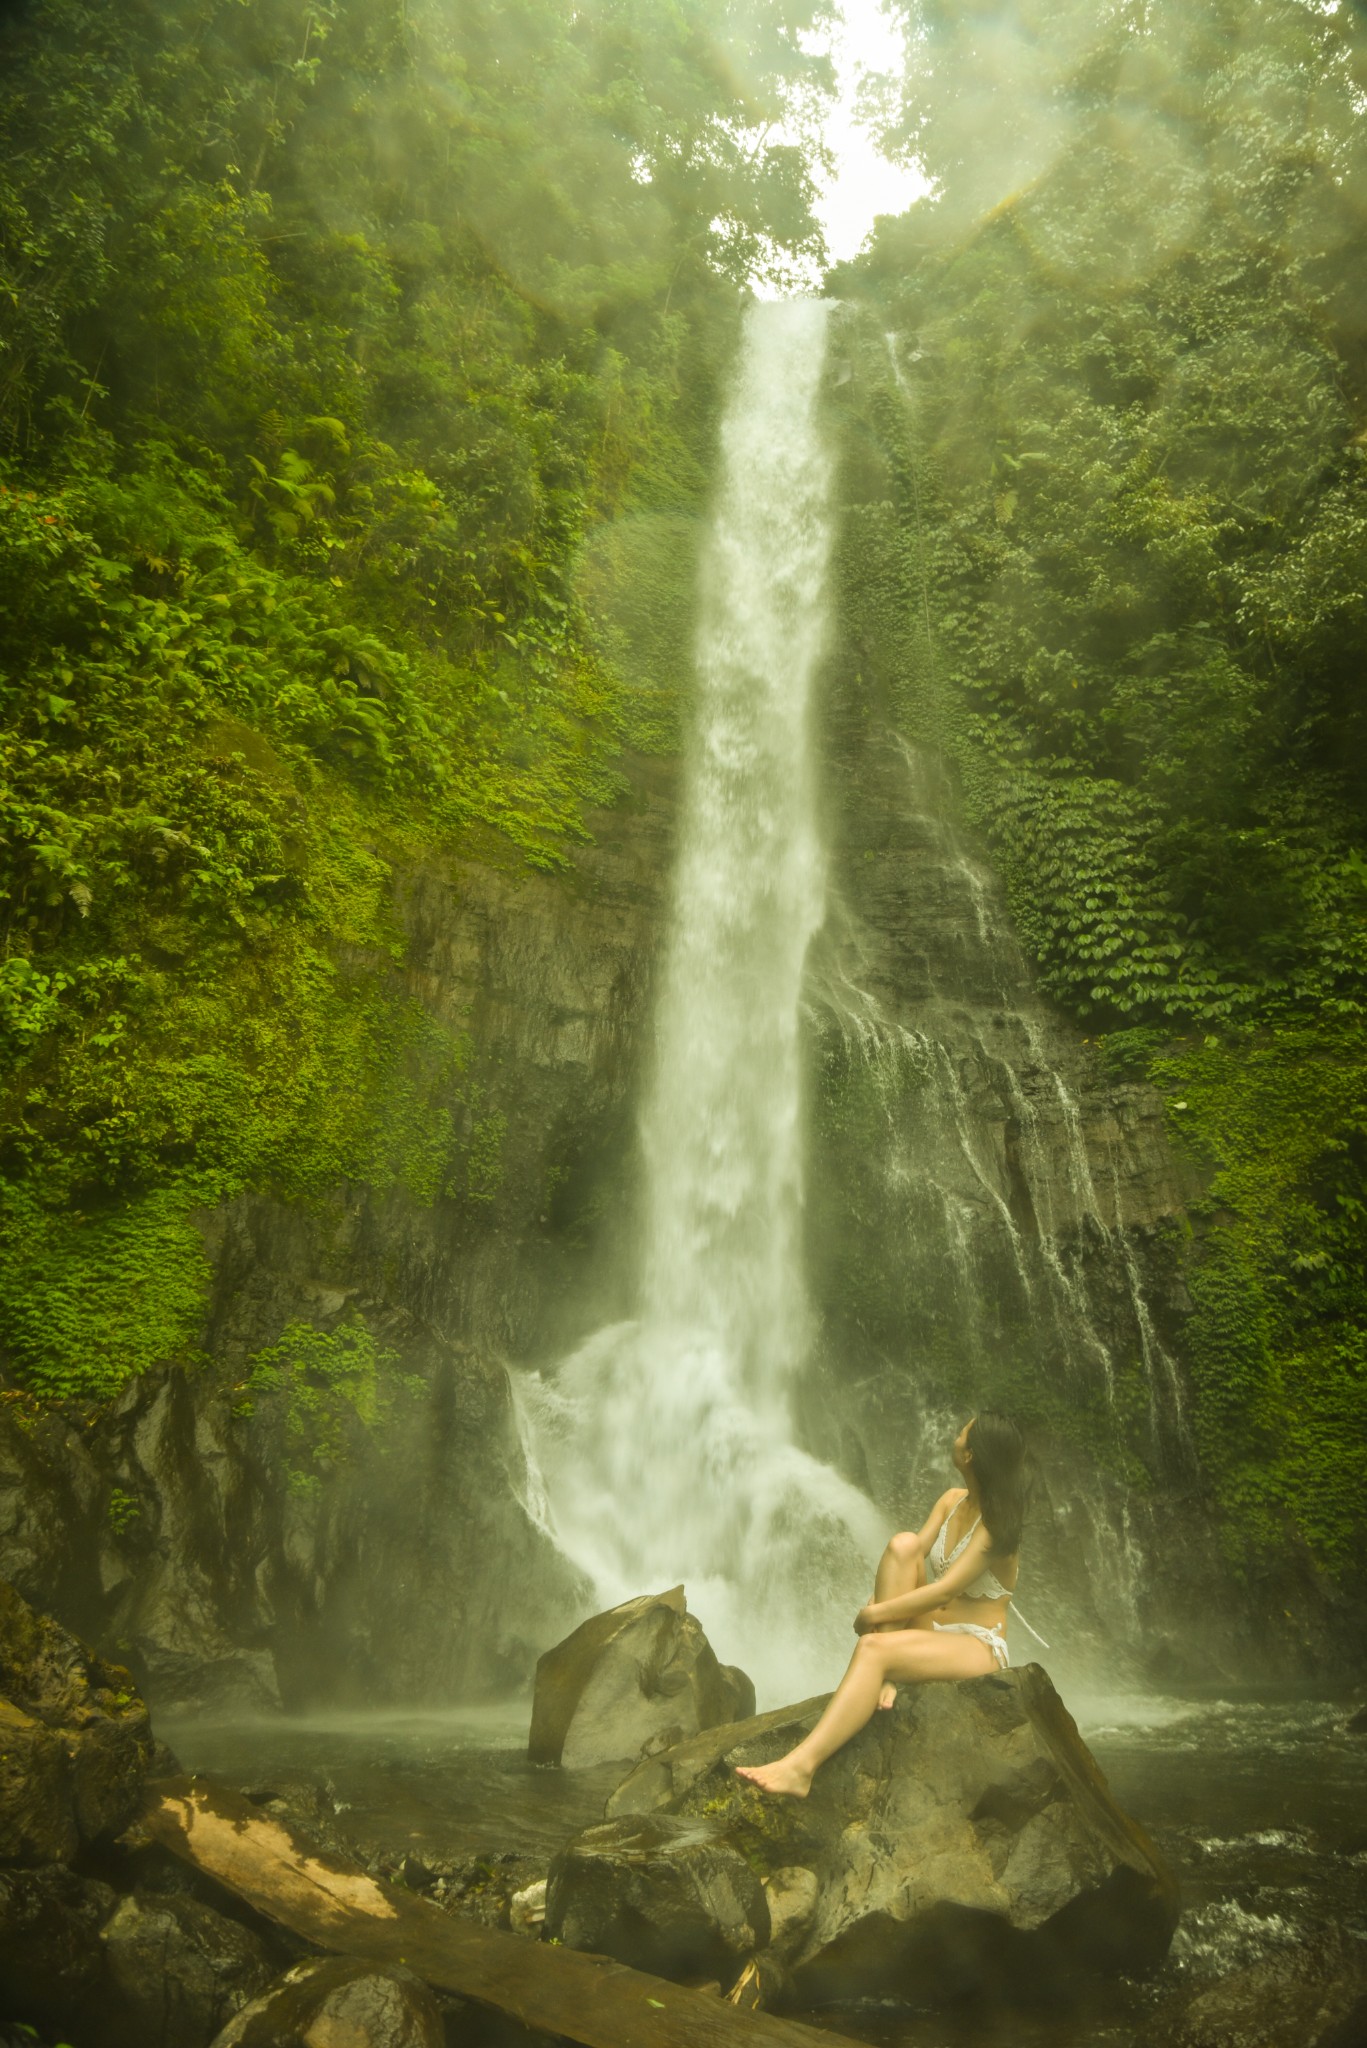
(665, 1444)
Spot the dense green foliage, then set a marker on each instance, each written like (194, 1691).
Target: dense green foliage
(1120, 565)
(354, 357)
(323, 1388)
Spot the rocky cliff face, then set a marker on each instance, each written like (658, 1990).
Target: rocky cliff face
(992, 1223)
(992, 1219)
(172, 1526)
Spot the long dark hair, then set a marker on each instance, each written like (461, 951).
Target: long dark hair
(999, 1467)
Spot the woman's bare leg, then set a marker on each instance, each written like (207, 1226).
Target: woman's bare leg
(909, 1654)
(901, 1569)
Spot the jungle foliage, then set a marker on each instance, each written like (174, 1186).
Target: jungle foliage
(1122, 554)
(333, 333)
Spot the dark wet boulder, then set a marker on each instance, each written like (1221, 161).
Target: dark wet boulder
(323, 2005)
(37, 1823)
(664, 1894)
(78, 1731)
(1313, 1995)
(178, 1969)
(146, 1971)
(53, 1969)
(641, 1676)
(965, 1837)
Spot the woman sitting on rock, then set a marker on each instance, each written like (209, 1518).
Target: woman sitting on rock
(961, 1566)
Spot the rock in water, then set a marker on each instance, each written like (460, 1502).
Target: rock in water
(643, 1674)
(76, 1740)
(340, 2003)
(666, 1895)
(1313, 1995)
(964, 1838)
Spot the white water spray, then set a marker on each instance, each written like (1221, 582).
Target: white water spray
(665, 1443)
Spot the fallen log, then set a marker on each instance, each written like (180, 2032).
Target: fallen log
(332, 1902)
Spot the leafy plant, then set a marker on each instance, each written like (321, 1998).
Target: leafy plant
(323, 1387)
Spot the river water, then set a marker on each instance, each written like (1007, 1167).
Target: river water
(1259, 1803)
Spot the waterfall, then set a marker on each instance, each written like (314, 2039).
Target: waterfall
(665, 1443)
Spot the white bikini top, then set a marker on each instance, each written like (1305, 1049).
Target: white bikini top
(987, 1586)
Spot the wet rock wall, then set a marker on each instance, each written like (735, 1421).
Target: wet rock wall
(173, 1529)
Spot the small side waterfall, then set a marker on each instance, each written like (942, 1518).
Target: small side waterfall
(665, 1444)
(988, 1215)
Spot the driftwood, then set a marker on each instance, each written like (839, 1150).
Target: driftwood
(337, 1905)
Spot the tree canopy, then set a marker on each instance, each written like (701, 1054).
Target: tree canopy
(331, 331)
(1120, 575)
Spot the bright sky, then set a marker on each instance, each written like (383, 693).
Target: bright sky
(865, 183)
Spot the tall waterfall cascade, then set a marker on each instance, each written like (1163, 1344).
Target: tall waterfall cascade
(663, 1450)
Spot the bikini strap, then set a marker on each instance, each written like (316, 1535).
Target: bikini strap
(1034, 1631)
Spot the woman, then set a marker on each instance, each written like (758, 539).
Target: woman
(962, 1567)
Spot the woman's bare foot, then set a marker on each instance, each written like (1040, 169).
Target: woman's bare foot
(780, 1777)
(887, 1696)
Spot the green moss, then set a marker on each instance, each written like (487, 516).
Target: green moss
(1277, 1342)
(768, 1833)
(322, 1387)
(88, 1300)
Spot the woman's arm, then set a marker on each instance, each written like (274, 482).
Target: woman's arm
(938, 1593)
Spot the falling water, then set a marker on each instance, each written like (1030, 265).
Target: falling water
(665, 1444)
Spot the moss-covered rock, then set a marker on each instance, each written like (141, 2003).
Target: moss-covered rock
(964, 1837)
(79, 1740)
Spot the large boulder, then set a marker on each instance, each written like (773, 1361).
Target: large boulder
(178, 1970)
(53, 1970)
(1312, 1995)
(340, 2003)
(642, 1676)
(147, 1971)
(77, 1741)
(37, 1823)
(663, 1894)
(964, 1837)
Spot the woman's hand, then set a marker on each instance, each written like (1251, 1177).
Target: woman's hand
(864, 1622)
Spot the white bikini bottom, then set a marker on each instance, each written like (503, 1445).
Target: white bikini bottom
(993, 1637)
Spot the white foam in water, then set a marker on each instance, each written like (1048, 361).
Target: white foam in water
(1264, 1838)
(1099, 1714)
(1225, 1936)
(665, 1444)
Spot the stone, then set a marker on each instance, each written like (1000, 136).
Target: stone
(37, 1823)
(640, 1677)
(1357, 1723)
(180, 1970)
(340, 2003)
(791, 1893)
(1313, 1995)
(664, 1894)
(77, 1724)
(967, 1835)
(527, 1909)
(53, 1970)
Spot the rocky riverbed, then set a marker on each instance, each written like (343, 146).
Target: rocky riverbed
(1257, 1803)
(1253, 1804)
